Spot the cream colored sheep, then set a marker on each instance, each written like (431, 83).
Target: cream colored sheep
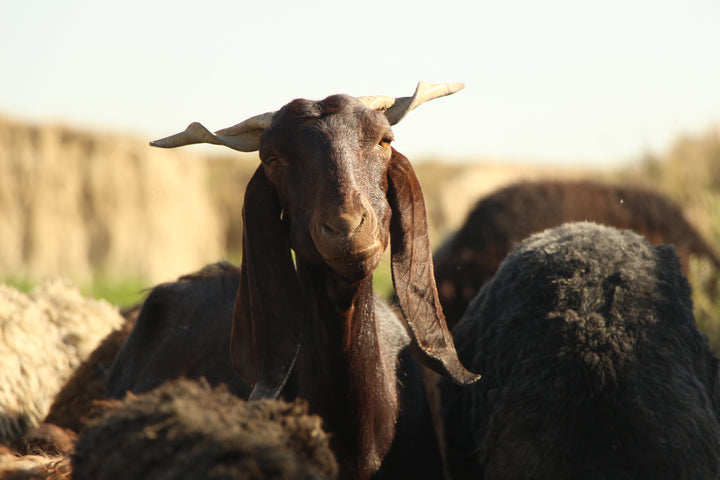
(44, 336)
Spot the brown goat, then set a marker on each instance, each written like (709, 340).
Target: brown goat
(472, 256)
(331, 188)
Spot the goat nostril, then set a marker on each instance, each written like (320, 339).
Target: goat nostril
(343, 225)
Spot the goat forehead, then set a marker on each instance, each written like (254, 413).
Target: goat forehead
(334, 111)
(336, 128)
(302, 108)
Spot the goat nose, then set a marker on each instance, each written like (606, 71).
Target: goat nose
(344, 224)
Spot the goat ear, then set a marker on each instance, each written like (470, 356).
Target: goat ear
(266, 322)
(412, 271)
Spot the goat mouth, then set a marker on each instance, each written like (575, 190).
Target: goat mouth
(357, 264)
(356, 253)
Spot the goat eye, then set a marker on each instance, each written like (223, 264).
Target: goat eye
(270, 159)
(385, 142)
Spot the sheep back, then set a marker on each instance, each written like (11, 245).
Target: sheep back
(502, 219)
(592, 366)
(44, 336)
(73, 405)
(178, 325)
(186, 429)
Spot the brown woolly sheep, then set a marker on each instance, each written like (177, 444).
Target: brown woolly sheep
(46, 439)
(73, 406)
(186, 429)
(472, 255)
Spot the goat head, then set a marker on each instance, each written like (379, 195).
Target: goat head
(331, 188)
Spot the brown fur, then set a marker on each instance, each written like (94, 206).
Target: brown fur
(500, 220)
(320, 187)
(332, 190)
(46, 439)
(14, 466)
(73, 406)
(187, 429)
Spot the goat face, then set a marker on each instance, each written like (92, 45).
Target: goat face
(331, 188)
(328, 162)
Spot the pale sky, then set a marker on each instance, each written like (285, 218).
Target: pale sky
(557, 80)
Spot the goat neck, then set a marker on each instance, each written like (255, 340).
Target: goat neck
(347, 368)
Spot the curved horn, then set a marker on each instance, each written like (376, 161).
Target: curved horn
(243, 137)
(396, 108)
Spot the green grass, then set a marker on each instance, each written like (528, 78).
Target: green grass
(23, 284)
(382, 279)
(122, 292)
(705, 281)
(382, 276)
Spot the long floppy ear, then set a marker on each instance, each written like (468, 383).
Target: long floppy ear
(266, 322)
(412, 271)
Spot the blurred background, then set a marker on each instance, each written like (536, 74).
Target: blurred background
(617, 91)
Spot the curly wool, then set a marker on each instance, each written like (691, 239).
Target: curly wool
(44, 336)
(592, 366)
(186, 429)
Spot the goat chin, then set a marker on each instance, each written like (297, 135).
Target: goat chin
(358, 266)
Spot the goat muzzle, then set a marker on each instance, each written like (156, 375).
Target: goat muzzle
(349, 241)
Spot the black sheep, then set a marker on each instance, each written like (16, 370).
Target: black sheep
(591, 363)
